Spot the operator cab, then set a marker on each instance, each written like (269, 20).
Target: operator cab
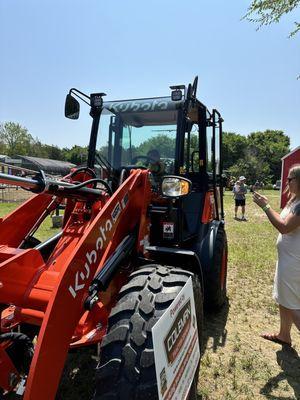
(139, 134)
(174, 135)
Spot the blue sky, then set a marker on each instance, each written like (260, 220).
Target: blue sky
(138, 49)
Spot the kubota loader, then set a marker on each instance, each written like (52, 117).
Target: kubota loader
(133, 238)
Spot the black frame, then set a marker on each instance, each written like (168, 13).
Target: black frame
(215, 120)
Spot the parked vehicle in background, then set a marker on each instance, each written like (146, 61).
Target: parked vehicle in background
(277, 185)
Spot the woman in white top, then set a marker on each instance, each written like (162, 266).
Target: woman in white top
(287, 277)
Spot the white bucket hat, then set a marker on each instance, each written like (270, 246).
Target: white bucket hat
(242, 178)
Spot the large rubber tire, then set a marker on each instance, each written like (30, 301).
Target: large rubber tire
(215, 278)
(126, 370)
(20, 351)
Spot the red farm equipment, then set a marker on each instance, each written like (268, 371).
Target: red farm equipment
(132, 236)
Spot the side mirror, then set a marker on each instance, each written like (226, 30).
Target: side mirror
(175, 186)
(72, 107)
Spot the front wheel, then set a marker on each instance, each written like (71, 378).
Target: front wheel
(126, 370)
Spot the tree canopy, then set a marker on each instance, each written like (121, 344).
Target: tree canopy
(266, 12)
(76, 155)
(165, 144)
(269, 147)
(257, 155)
(15, 139)
(234, 148)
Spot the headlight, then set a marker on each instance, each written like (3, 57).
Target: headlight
(175, 186)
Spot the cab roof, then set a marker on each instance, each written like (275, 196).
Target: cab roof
(148, 111)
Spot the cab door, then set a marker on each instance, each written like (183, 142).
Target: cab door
(217, 162)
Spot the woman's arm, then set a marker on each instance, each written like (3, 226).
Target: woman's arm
(291, 222)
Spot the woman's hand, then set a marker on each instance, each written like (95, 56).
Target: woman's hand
(259, 199)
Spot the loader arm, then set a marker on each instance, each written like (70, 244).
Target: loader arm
(118, 217)
(55, 292)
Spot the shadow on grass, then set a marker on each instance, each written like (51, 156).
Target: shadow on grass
(289, 361)
(215, 327)
(78, 379)
(240, 219)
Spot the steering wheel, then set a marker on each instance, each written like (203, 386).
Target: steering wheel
(147, 159)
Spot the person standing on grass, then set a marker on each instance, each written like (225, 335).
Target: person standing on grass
(239, 193)
(286, 290)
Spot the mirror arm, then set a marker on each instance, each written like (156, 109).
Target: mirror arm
(80, 95)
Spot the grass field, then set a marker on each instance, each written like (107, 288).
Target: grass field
(45, 230)
(237, 363)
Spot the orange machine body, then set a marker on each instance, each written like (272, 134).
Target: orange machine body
(52, 293)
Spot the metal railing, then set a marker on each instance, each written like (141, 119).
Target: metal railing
(13, 194)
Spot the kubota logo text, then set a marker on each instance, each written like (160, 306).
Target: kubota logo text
(93, 256)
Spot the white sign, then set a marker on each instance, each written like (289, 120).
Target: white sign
(176, 346)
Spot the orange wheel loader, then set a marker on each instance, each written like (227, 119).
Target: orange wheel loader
(142, 219)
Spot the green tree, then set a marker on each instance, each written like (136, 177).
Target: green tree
(269, 147)
(38, 150)
(163, 143)
(253, 168)
(16, 139)
(76, 155)
(266, 12)
(234, 147)
(3, 148)
(53, 152)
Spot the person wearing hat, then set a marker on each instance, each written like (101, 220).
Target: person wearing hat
(156, 166)
(239, 193)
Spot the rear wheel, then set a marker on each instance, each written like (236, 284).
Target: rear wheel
(216, 276)
(127, 369)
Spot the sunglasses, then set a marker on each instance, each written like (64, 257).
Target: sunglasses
(290, 179)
